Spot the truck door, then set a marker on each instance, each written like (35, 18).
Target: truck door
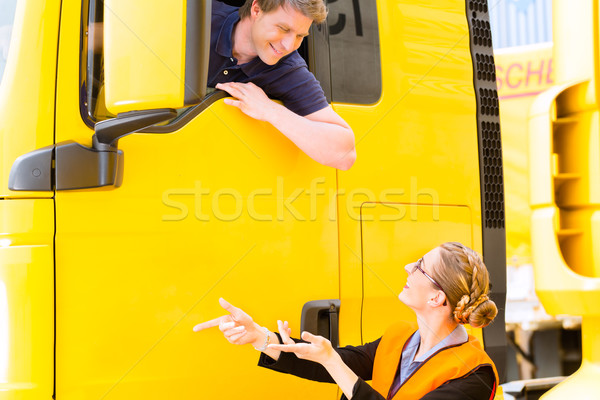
(213, 204)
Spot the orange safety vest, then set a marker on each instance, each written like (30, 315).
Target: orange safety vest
(445, 365)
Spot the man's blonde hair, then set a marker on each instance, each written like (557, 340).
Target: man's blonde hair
(313, 9)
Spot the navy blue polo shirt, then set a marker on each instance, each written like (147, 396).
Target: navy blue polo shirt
(289, 80)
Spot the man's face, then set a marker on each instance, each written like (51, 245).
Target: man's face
(278, 33)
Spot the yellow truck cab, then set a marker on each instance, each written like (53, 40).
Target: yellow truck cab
(132, 197)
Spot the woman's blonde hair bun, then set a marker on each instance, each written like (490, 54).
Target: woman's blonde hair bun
(466, 282)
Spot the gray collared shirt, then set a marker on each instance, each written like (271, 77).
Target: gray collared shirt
(409, 363)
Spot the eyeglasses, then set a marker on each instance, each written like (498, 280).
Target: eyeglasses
(417, 266)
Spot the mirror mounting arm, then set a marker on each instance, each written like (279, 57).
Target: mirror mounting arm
(107, 133)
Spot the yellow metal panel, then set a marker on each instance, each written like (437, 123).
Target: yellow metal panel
(575, 36)
(393, 236)
(27, 88)
(564, 156)
(140, 265)
(565, 195)
(555, 281)
(405, 153)
(523, 72)
(185, 228)
(540, 147)
(144, 54)
(26, 299)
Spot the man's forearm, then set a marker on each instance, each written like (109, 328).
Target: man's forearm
(329, 143)
(323, 135)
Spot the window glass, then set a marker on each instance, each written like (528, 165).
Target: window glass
(7, 16)
(354, 47)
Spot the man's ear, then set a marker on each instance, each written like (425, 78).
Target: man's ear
(255, 9)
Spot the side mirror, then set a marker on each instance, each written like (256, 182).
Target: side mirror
(155, 61)
(69, 165)
(155, 53)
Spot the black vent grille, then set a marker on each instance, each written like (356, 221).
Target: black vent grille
(478, 5)
(482, 33)
(490, 172)
(489, 103)
(492, 175)
(488, 115)
(486, 70)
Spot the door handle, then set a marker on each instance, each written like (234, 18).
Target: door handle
(320, 317)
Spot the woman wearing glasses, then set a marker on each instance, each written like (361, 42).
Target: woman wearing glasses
(432, 359)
